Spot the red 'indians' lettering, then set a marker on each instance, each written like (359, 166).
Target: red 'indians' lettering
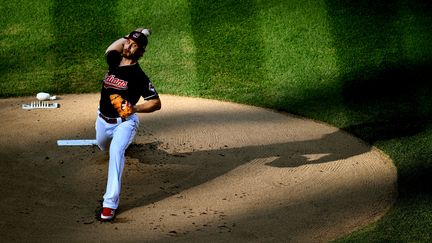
(112, 82)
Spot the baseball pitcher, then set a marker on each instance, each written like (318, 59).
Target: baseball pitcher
(116, 124)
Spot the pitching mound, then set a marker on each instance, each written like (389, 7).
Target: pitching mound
(199, 170)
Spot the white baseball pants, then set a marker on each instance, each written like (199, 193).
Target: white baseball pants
(115, 137)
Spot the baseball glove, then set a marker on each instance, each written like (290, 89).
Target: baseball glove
(123, 107)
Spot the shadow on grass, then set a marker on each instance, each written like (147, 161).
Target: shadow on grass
(396, 100)
(83, 30)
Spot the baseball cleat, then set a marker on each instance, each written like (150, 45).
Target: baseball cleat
(107, 214)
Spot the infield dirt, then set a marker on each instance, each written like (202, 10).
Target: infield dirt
(198, 170)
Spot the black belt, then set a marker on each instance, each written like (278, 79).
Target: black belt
(110, 120)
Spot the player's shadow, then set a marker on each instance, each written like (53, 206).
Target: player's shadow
(209, 164)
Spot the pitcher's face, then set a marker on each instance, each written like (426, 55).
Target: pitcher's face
(130, 49)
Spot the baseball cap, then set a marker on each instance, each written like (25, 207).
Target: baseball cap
(139, 37)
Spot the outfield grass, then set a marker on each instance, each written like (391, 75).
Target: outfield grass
(362, 66)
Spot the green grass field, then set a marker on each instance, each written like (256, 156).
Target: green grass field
(363, 66)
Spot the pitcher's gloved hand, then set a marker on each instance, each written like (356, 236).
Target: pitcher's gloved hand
(123, 107)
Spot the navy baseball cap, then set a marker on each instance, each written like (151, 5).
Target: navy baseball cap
(139, 38)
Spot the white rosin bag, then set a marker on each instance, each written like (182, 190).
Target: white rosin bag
(44, 96)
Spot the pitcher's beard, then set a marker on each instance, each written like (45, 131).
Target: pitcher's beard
(132, 56)
(127, 54)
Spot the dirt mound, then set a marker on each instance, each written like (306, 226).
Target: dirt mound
(198, 169)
